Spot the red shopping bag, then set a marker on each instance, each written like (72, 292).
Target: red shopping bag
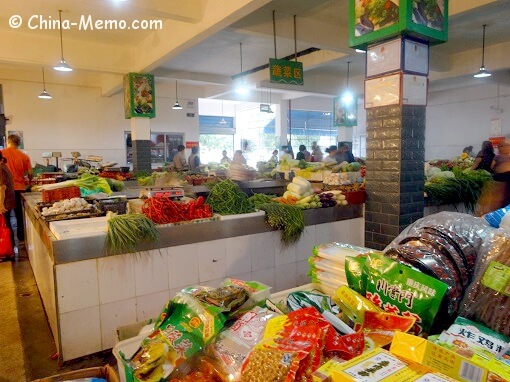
(5, 239)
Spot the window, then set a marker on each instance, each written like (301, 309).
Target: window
(359, 146)
(306, 126)
(163, 146)
(216, 135)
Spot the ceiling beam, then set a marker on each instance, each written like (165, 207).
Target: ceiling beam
(204, 78)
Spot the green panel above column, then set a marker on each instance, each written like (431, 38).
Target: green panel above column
(375, 20)
(139, 96)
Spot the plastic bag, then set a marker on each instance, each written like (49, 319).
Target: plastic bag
(6, 248)
(488, 298)
(184, 326)
(302, 299)
(399, 289)
(235, 343)
(354, 273)
(494, 218)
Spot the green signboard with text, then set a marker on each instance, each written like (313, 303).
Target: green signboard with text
(286, 72)
(374, 20)
(139, 98)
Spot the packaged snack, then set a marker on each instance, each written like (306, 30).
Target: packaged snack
(329, 279)
(337, 252)
(469, 338)
(183, 328)
(379, 328)
(353, 305)
(199, 369)
(228, 298)
(326, 265)
(302, 299)
(271, 364)
(323, 373)
(401, 290)
(488, 298)
(354, 273)
(257, 292)
(234, 344)
(379, 365)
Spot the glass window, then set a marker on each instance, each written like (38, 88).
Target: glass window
(163, 146)
(307, 126)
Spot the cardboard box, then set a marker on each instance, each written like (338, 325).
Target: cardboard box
(380, 365)
(448, 362)
(105, 372)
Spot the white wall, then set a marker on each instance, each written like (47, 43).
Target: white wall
(462, 117)
(80, 119)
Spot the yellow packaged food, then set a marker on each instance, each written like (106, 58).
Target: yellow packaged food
(380, 365)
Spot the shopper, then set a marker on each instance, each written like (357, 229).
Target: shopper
(225, 159)
(194, 159)
(303, 154)
(484, 158)
(7, 198)
(19, 165)
(317, 154)
(469, 151)
(501, 168)
(238, 158)
(274, 156)
(344, 154)
(180, 159)
(331, 154)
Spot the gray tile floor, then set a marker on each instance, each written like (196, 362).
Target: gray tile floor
(27, 349)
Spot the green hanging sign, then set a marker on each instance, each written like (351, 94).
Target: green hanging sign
(374, 20)
(286, 72)
(139, 100)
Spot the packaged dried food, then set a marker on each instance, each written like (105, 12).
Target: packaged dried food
(354, 273)
(401, 290)
(269, 364)
(337, 252)
(379, 328)
(184, 327)
(199, 369)
(228, 298)
(353, 306)
(303, 299)
(488, 297)
(233, 345)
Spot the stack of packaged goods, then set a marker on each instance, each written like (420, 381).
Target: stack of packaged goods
(435, 306)
(327, 264)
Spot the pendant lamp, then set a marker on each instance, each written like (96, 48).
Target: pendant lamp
(241, 86)
(176, 106)
(347, 96)
(62, 66)
(482, 73)
(222, 122)
(44, 94)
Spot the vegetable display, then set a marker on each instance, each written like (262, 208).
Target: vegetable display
(86, 181)
(289, 219)
(332, 198)
(163, 210)
(258, 199)
(66, 206)
(227, 198)
(126, 231)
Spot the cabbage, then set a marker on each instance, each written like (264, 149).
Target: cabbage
(444, 174)
(433, 171)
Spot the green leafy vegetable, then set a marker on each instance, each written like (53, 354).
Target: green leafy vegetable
(126, 231)
(258, 199)
(289, 219)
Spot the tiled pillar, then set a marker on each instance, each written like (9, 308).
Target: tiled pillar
(394, 181)
(141, 135)
(141, 155)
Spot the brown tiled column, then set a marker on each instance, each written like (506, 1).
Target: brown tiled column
(394, 180)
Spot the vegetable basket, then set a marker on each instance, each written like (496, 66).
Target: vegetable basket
(86, 213)
(118, 206)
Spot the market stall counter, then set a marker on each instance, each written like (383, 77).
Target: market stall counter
(87, 295)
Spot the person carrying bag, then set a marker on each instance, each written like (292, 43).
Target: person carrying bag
(7, 203)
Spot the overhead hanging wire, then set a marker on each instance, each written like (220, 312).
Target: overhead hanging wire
(295, 39)
(274, 34)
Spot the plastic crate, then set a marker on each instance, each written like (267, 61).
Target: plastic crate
(60, 194)
(117, 206)
(356, 197)
(105, 372)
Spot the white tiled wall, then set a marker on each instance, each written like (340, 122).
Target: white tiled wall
(95, 297)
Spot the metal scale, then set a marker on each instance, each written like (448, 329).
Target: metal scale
(169, 192)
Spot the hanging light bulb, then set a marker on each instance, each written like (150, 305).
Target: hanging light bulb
(222, 122)
(176, 106)
(241, 87)
(44, 94)
(482, 73)
(347, 97)
(62, 66)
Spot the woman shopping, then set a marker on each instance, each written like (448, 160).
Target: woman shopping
(484, 157)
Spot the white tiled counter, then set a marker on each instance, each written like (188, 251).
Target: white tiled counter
(87, 298)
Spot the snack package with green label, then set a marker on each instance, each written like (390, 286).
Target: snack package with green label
(398, 289)
(488, 297)
(187, 323)
(468, 338)
(303, 299)
(354, 273)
